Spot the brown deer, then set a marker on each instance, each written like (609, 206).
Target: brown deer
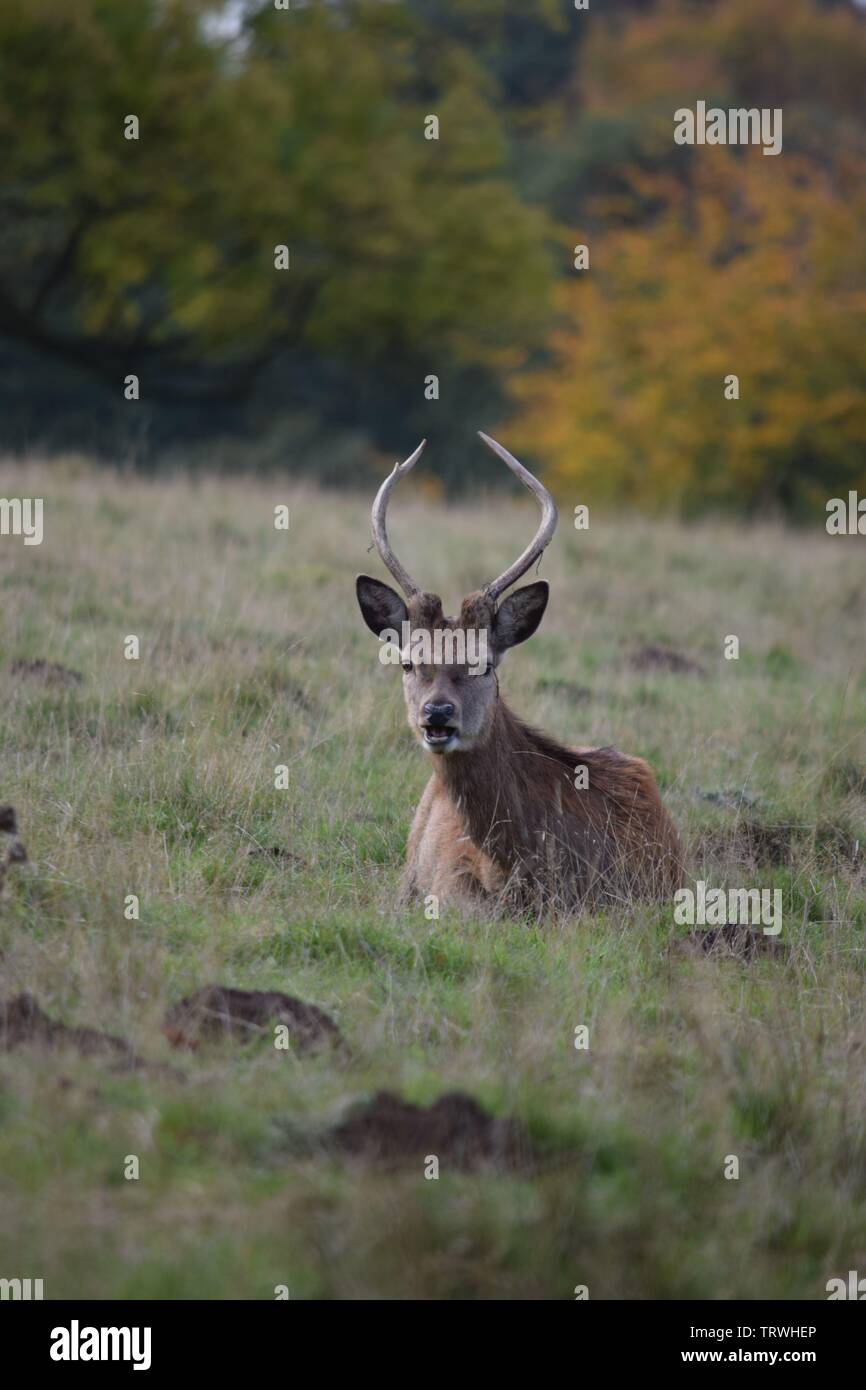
(509, 813)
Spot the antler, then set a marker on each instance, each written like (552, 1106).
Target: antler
(380, 535)
(544, 534)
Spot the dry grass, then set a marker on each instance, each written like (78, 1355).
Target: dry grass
(155, 778)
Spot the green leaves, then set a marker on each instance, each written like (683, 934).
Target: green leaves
(308, 133)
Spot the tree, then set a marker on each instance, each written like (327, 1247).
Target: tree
(746, 273)
(711, 262)
(156, 255)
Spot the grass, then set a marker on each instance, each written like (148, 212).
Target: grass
(156, 778)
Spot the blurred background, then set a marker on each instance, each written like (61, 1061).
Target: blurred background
(412, 257)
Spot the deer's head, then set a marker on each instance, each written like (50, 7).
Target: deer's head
(450, 664)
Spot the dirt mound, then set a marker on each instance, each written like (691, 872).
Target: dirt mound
(571, 689)
(11, 851)
(655, 657)
(741, 943)
(756, 842)
(22, 1022)
(454, 1129)
(731, 798)
(748, 842)
(48, 671)
(215, 1013)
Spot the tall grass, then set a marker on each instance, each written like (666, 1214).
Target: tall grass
(155, 777)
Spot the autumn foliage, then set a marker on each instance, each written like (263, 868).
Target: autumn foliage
(747, 272)
(428, 286)
(714, 262)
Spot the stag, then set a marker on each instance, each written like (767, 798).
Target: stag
(509, 815)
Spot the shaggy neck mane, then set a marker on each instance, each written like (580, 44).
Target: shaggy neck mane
(517, 798)
(512, 789)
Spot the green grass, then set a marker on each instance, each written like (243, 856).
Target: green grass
(156, 777)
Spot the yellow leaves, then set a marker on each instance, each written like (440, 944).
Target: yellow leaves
(730, 277)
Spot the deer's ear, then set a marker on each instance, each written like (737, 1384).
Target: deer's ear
(381, 606)
(518, 616)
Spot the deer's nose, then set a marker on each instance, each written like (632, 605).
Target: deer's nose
(436, 716)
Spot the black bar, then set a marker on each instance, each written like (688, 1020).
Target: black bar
(255, 1339)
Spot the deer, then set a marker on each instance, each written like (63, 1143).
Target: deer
(509, 816)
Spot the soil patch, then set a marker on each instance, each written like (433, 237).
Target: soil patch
(215, 1013)
(454, 1129)
(48, 671)
(655, 657)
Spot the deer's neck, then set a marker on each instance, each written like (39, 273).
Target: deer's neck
(511, 790)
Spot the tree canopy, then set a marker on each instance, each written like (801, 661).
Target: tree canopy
(714, 262)
(429, 168)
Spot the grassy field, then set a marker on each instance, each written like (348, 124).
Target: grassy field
(155, 777)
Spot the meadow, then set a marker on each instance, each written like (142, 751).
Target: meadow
(155, 777)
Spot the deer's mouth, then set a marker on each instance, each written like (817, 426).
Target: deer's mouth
(439, 737)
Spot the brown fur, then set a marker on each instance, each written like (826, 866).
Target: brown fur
(504, 818)
(508, 816)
